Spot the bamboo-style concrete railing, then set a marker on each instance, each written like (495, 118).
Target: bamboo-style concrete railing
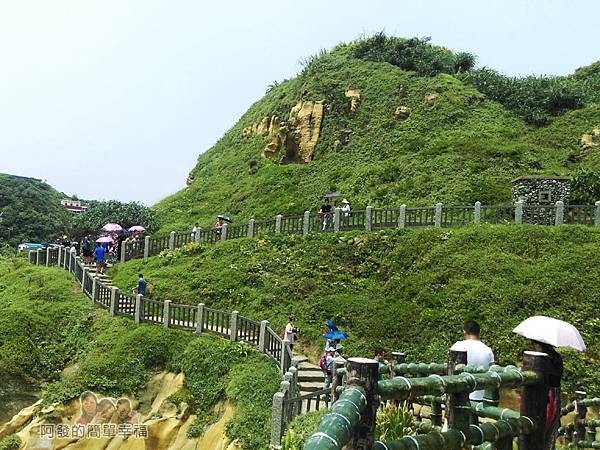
(582, 431)
(350, 422)
(196, 318)
(372, 219)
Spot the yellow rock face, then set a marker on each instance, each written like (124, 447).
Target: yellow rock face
(167, 425)
(354, 95)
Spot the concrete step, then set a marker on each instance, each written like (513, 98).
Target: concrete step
(310, 375)
(305, 365)
(299, 359)
(311, 386)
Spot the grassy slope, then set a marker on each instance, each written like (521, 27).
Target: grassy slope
(407, 290)
(463, 149)
(47, 324)
(32, 209)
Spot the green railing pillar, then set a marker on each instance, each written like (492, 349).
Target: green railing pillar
(534, 399)
(458, 408)
(338, 377)
(579, 429)
(364, 372)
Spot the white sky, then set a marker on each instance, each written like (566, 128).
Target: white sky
(115, 99)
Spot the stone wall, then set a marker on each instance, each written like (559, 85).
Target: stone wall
(539, 196)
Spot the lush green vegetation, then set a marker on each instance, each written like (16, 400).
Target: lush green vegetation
(31, 211)
(47, 326)
(405, 290)
(99, 214)
(468, 134)
(12, 442)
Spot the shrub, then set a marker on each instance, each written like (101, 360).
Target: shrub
(300, 429)
(394, 422)
(12, 442)
(585, 189)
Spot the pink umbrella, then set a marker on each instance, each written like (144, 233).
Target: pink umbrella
(112, 228)
(103, 239)
(137, 229)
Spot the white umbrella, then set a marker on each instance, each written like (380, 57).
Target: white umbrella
(551, 331)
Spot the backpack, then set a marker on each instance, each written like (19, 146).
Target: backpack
(323, 363)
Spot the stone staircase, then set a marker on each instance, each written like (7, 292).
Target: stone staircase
(310, 379)
(103, 278)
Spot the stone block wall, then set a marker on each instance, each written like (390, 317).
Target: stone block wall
(539, 196)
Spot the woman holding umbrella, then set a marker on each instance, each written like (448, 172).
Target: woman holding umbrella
(547, 333)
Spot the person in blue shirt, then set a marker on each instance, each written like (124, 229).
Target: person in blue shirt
(99, 254)
(141, 285)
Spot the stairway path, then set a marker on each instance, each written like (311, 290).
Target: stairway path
(310, 379)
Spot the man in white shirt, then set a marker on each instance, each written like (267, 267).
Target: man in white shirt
(478, 354)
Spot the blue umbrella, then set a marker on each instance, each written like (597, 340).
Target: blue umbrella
(334, 335)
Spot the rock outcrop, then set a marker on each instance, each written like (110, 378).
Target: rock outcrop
(167, 424)
(589, 140)
(295, 138)
(354, 96)
(402, 112)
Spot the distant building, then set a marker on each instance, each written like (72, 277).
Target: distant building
(75, 206)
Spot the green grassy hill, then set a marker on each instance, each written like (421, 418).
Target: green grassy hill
(406, 290)
(468, 133)
(55, 344)
(31, 209)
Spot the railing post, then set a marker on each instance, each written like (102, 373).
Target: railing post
(306, 222)
(278, 219)
(114, 300)
(172, 240)
(369, 218)
(71, 261)
(262, 337)
(137, 316)
(277, 427)
(233, 326)
(85, 271)
(224, 232)
(477, 212)
(60, 253)
(519, 212)
(534, 399)
(402, 216)
(560, 213)
(438, 215)
(167, 314)
(146, 247)
(94, 289)
(458, 413)
(285, 345)
(123, 251)
(364, 372)
(37, 256)
(579, 429)
(30, 257)
(338, 378)
(199, 319)
(47, 256)
(251, 228)
(197, 235)
(336, 219)
(597, 214)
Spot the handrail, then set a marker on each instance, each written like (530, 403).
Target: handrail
(373, 219)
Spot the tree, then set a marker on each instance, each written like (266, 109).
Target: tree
(99, 214)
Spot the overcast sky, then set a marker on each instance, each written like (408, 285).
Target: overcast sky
(115, 99)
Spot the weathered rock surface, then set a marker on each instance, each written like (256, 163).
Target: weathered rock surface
(589, 140)
(354, 96)
(402, 112)
(430, 99)
(297, 137)
(166, 423)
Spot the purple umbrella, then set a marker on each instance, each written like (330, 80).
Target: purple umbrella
(103, 239)
(137, 229)
(112, 228)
